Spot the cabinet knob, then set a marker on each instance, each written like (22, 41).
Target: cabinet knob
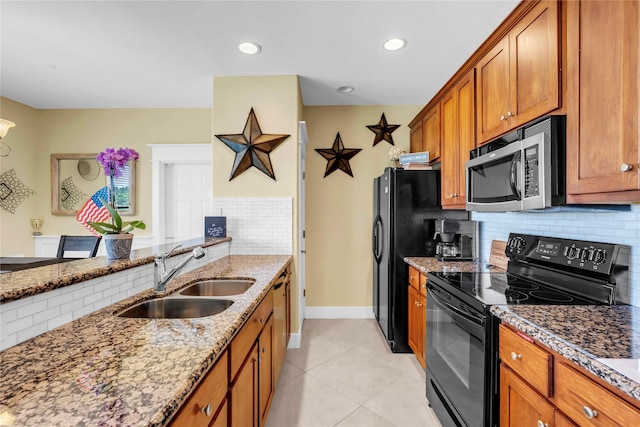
(589, 413)
(503, 118)
(510, 114)
(515, 356)
(261, 320)
(625, 167)
(542, 424)
(206, 410)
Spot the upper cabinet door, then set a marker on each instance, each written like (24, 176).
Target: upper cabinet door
(519, 79)
(602, 93)
(534, 70)
(493, 92)
(431, 133)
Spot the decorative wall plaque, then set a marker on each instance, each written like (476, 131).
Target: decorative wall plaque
(12, 191)
(383, 131)
(338, 157)
(252, 147)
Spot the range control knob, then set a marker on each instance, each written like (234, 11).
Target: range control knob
(599, 256)
(516, 244)
(572, 252)
(585, 254)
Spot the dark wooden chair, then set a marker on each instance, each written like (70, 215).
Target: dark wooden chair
(81, 246)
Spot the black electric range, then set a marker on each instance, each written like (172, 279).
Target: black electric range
(462, 338)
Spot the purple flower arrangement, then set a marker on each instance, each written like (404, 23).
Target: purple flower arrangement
(113, 160)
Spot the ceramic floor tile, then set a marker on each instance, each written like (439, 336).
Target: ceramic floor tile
(403, 403)
(350, 332)
(363, 417)
(288, 372)
(313, 351)
(358, 376)
(305, 401)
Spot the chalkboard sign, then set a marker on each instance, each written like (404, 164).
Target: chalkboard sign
(215, 226)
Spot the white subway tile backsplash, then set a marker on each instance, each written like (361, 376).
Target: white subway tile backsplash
(28, 317)
(611, 227)
(258, 226)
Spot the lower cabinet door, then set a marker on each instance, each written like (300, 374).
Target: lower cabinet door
(265, 368)
(417, 324)
(222, 417)
(244, 392)
(520, 405)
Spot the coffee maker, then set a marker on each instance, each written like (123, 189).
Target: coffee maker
(457, 240)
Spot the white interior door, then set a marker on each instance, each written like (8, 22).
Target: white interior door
(188, 191)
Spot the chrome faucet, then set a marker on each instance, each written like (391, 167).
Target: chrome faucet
(161, 277)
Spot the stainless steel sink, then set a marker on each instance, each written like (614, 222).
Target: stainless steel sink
(177, 308)
(217, 288)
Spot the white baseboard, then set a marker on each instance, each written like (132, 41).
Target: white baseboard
(295, 339)
(338, 312)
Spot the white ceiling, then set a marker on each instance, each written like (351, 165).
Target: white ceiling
(162, 54)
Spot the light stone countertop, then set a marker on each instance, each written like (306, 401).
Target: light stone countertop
(105, 370)
(33, 281)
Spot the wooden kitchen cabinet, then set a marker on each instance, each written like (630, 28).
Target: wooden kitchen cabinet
(458, 139)
(251, 368)
(207, 403)
(602, 101)
(425, 134)
(521, 405)
(281, 320)
(417, 314)
(518, 80)
(590, 404)
(537, 384)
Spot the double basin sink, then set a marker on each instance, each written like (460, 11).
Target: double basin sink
(200, 299)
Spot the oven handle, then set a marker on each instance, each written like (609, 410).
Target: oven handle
(476, 320)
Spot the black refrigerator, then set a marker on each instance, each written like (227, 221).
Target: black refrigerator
(406, 204)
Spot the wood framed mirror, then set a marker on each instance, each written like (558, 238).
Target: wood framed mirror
(77, 176)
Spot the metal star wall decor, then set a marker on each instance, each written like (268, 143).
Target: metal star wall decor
(338, 157)
(383, 131)
(252, 147)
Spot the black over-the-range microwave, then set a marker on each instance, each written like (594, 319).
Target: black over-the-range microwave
(522, 170)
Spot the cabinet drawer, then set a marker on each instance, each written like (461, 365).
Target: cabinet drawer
(590, 404)
(243, 342)
(414, 278)
(207, 397)
(529, 361)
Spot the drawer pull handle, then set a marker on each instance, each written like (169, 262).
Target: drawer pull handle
(206, 410)
(625, 167)
(515, 356)
(589, 413)
(542, 424)
(261, 320)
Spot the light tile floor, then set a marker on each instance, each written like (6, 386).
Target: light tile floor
(345, 375)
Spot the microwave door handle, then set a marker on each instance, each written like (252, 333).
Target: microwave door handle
(513, 174)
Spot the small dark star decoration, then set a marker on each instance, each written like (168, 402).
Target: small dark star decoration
(252, 147)
(338, 157)
(383, 131)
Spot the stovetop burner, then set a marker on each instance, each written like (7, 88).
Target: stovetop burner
(505, 288)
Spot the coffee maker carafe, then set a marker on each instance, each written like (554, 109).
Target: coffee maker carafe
(456, 239)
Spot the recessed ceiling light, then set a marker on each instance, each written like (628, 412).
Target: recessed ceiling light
(249, 48)
(394, 44)
(345, 89)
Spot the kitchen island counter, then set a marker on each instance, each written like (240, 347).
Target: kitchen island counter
(106, 370)
(593, 337)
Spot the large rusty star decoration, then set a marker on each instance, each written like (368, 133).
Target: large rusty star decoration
(252, 147)
(338, 157)
(383, 131)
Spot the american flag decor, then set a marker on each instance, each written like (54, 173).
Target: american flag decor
(94, 210)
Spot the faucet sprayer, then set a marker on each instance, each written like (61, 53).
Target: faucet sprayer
(161, 277)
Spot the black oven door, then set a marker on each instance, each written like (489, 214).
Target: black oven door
(456, 358)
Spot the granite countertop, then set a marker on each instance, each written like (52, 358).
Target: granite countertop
(106, 370)
(432, 264)
(33, 281)
(604, 340)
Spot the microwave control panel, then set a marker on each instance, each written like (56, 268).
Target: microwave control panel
(531, 173)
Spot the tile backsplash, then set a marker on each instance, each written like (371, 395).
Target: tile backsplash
(601, 226)
(257, 225)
